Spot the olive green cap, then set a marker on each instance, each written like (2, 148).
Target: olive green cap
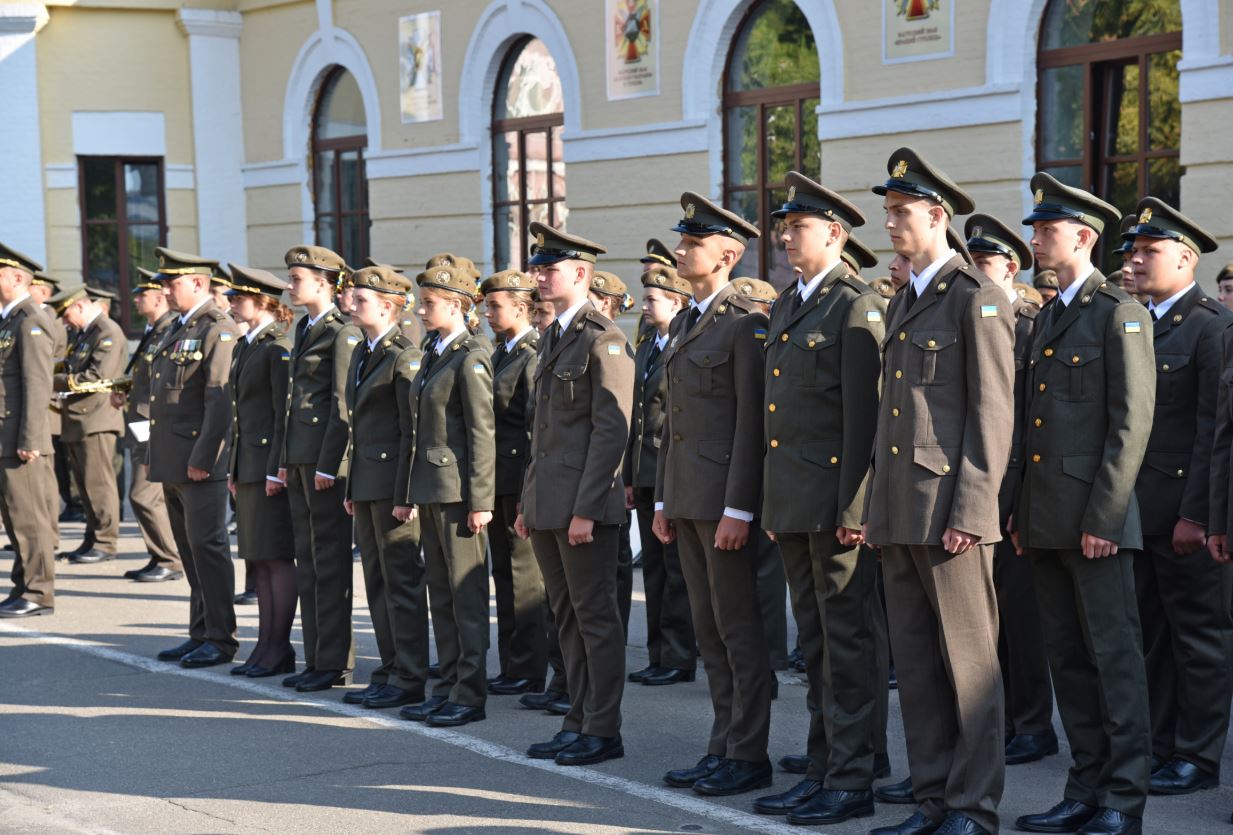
(455, 279)
(755, 289)
(1115, 278)
(449, 259)
(1157, 219)
(514, 280)
(45, 280)
(250, 281)
(10, 257)
(607, 284)
(1053, 200)
(1045, 278)
(1125, 244)
(98, 294)
(552, 245)
(858, 256)
(985, 233)
(382, 279)
(61, 301)
(911, 174)
(373, 262)
(658, 253)
(704, 218)
(808, 197)
(315, 257)
(172, 264)
(956, 242)
(1028, 293)
(666, 278)
(883, 286)
(1225, 273)
(149, 280)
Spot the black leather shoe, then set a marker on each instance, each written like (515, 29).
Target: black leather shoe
(560, 707)
(391, 696)
(421, 712)
(323, 680)
(668, 675)
(90, 557)
(206, 655)
(1066, 816)
(178, 651)
(72, 513)
(684, 778)
(735, 777)
(794, 763)
(293, 680)
(881, 766)
(540, 701)
(782, 804)
(157, 574)
(248, 598)
(451, 715)
(638, 675)
(918, 824)
(833, 806)
(242, 669)
(514, 686)
(1028, 748)
(287, 665)
(1182, 777)
(1158, 763)
(959, 824)
(549, 750)
(19, 607)
(357, 697)
(900, 792)
(132, 573)
(1112, 822)
(588, 750)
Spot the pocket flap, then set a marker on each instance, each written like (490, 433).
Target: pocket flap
(1169, 363)
(937, 459)
(718, 451)
(569, 371)
(813, 340)
(1082, 467)
(708, 359)
(186, 430)
(381, 452)
(1077, 356)
(934, 340)
(822, 453)
(1171, 464)
(442, 456)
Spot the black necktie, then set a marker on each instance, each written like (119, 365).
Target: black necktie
(912, 296)
(1155, 316)
(301, 332)
(652, 357)
(692, 317)
(797, 301)
(141, 348)
(498, 355)
(365, 353)
(554, 336)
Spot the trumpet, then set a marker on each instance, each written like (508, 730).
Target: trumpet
(123, 383)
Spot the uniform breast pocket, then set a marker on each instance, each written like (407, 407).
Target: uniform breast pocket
(809, 358)
(1172, 377)
(1081, 373)
(571, 387)
(936, 357)
(703, 366)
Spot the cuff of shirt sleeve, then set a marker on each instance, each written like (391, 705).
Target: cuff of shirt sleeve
(659, 506)
(275, 479)
(742, 515)
(325, 475)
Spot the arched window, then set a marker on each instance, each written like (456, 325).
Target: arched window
(771, 96)
(1109, 116)
(340, 184)
(528, 178)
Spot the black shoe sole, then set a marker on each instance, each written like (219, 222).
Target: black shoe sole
(760, 784)
(1171, 792)
(615, 754)
(865, 812)
(34, 614)
(1022, 827)
(433, 722)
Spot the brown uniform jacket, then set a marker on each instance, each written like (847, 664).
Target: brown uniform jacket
(710, 455)
(583, 396)
(25, 380)
(1092, 386)
(454, 456)
(1221, 513)
(513, 390)
(646, 427)
(947, 412)
(259, 393)
(137, 408)
(317, 430)
(382, 419)
(823, 362)
(97, 354)
(59, 350)
(190, 398)
(1025, 326)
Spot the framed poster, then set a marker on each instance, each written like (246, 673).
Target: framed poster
(917, 30)
(631, 44)
(419, 67)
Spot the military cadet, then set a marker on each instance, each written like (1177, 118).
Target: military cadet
(314, 467)
(707, 489)
(91, 425)
(883, 286)
(520, 598)
(25, 439)
(1045, 282)
(609, 294)
(408, 322)
(671, 648)
(761, 293)
(378, 399)
(1224, 286)
(220, 283)
(542, 313)
(190, 439)
(572, 501)
(1092, 387)
(943, 442)
(1183, 595)
(1001, 255)
(657, 255)
(1124, 251)
(898, 269)
(42, 288)
(822, 368)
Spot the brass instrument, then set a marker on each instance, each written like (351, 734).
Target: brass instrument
(123, 383)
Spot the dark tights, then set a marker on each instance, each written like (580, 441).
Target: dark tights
(276, 600)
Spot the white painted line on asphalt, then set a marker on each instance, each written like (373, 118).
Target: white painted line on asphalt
(685, 802)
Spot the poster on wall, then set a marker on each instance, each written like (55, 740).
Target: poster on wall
(917, 30)
(419, 67)
(632, 47)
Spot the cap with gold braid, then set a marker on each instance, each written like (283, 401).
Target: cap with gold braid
(1157, 219)
(10, 257)
(552, 245)
(911, 174)
(250, 281)
(666, 278)
(315, 257)
(454, 279)
(172, 264)
(43, 279)
(704, 218)
(221, 276)
(808, 197)
(514, 280)
(149, 280)
(1125, 244)
(1053, 200)
(61, 301)
(658, 253)
(858, 256)
(985, 233)
(755, 289)
(381, 279)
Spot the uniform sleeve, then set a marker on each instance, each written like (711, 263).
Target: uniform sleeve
(627, 465)
(743, 489)
(1130, 383)
(279, 358)
(526, 389)
(219, 344)
(860, 379)
(105, 360)
(611, 368)
(1208, 354)
(1218, 515)
(338, 426)
(404, 375)
(475, 386)
(35, 386)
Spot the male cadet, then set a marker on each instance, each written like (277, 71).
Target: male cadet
(1045, 282)
(572, 501)
(190, 438)
(1001, 255)
(91, 425)
(1092, 387)
(1183, 595)
(858, 256)
(25, 439)
(943, 440)
(1125, 274)
(822, 366)
(1224, 286)
(707, 487)
(521, 603)
(42, 288)
(145, 496)
(657, 255)
(672, 650)
(315, 467)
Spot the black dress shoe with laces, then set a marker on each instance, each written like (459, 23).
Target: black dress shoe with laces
(794, 763)
(132, 573)
(559, 707)
(588, 750)
(900, 792)
(736, 777)
(1028, 748)
(549, 750)
(1182, 777)
(19, 607)
(540, 701)
(638, 675)
(157, 574)
(960, 824)
(206, 655)
(832, 806)
(918, 824)
(684, 778)
(668, 675)
(452, 714)
(90, 557)
(391, 696)
(1066, 816)
(323, 680)
(782, 804)
(178, 651)
(1112, 822)
(515, 686)
(357, 697)
(421, 712)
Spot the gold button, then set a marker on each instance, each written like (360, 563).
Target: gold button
(194, 433)
(445, 459)
(676, 437)
(946, 468)
(314, 419)
(1038, 421)
(1164, 367)
(774, 444)
(771, 408)
(513, 452)
(1042, 386)
(384, 456)
(894, 413)
(902, 336)
(932, 343)
(152, 421)
(898, 374)
(1087, 299)
(1035, 459)
(1075, 359)
(834, 460)
(1177, 318)
(812, 343)
(894, 450)
(1048, 352)
(942, 286)
(776, 372)
(783, 338)
(158, 375)
(1181, 472)
(265, 440)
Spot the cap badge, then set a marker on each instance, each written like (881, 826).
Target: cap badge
(514, 281)
(792, 194)
(539, 240)
(1040, 196)
(600, 281)
(162, 262)
(1146, 216)
(659, 279)
(300, 257)
(690, 210)
(443, 275)
(372, 281)
(901, 168)
(978, 231)
(746, 288)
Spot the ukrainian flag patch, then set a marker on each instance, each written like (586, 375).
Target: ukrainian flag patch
(478, 368)
(36, 330)
(988, 311)
(873, 316)
(414, 365)
(107, 342)
(1132, 327)
(760, 333)
(353, 340)
(224, 337)
(614, 350)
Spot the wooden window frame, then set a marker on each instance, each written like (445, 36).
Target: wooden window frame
(335, 148)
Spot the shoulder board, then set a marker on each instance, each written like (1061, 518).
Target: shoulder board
(1110, 289)
(473, 343)
(974, 274)
(739, 302)
(1212, 305)
(596, 318)
(217, 315)
(399, 340)
(855, 283)
(1029, 310)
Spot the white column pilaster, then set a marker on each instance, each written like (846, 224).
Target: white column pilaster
(23, 222)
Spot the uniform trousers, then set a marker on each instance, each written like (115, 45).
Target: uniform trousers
(395, 583)
(146, 497)
(23, 502)
(1021, 645)
(772, 597)
(831, 587)
(669, 624)
(943, 626)
(522, 633)
(92, 460)
(728, 626)
(625, 574)
(581, 584)
(198, 514)
(1188, 649)
(323, 566)
(1091, 626)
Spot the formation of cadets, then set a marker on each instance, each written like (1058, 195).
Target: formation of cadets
(1026, 488)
